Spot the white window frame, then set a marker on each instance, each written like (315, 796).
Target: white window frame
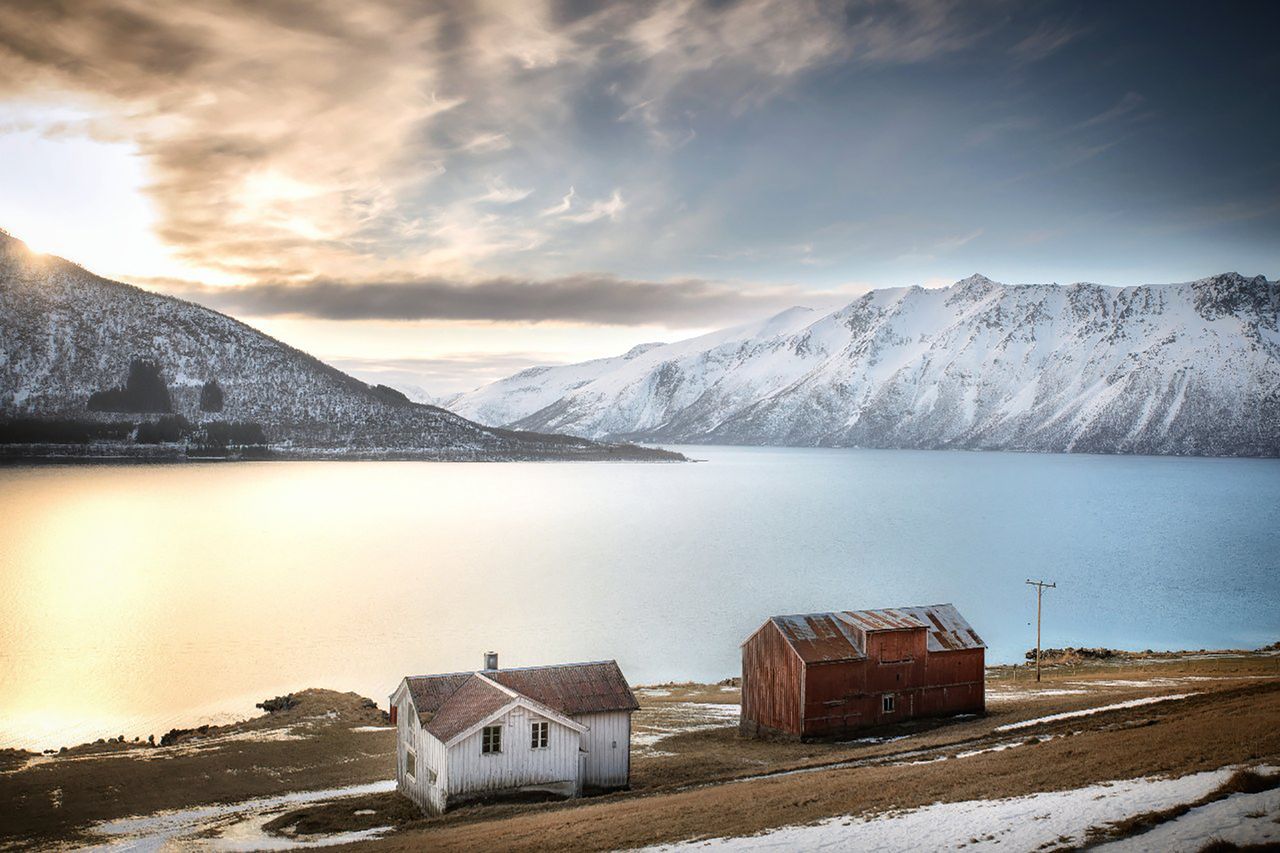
(410, 763)
(539, 734)
(491, 740)
(888, 703)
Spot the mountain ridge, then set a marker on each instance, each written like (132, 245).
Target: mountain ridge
(68, 336)
(1182, 369)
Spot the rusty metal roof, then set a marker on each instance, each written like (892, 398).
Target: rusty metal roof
(841, 635)
(571, 688)
(474, 700)
(948, 630)
(821, 637)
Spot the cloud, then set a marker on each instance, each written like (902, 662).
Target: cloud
(1047, 39)
(500, 193)
(594, 299)
(609, 209)
(940, 247)
(562, 206)
(288, 140)
(1128, 104)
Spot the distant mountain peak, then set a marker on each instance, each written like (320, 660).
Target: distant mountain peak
(1039, 367)
(641, 349)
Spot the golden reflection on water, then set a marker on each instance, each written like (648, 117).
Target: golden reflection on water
(133, 595)
(138, 598)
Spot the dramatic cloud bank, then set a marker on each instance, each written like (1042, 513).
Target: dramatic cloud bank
(289, 139)
(473, 159)
(599, 299)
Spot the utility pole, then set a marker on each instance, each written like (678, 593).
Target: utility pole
(1040, 588)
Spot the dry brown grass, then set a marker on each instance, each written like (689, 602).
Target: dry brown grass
(1185, 736)
(682, 786)
(348, 814)
(55, 797)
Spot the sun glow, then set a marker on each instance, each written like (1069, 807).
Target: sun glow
(71, 194)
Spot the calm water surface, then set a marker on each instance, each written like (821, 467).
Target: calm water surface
(133, 599)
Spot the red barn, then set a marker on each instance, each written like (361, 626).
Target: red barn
(821, 674)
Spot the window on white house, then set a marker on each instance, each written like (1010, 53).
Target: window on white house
(431, 776)
(491, 740)
(887, 703)
(410, 764)
(539, 735)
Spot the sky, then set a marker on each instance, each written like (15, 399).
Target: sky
(438, 194)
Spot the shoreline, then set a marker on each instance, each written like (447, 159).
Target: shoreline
(174, 455)
(1051, 661)
(302, 772)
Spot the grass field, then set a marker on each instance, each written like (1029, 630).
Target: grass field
(693, 776)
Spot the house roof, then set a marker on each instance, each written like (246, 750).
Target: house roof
(429, 692)
(572, 688)
(841, 635)
(474, 700)
(575, 688)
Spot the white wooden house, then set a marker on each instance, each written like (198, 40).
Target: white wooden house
(563, 729)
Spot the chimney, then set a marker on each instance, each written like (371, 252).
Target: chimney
(490, 660)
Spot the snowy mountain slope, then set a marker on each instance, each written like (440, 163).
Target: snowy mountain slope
(1180, 369)
(66, 334)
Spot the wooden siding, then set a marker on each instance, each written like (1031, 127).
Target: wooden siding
(772, 684)
(518, 766)
(607, 747)
(835, 698)
(429, 756)
(827, 698)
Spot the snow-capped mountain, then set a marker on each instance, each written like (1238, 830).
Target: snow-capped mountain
(1171, 369)
(67, 335)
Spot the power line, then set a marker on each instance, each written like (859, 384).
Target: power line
(1040, 586)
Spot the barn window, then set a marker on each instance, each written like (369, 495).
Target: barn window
(539, 740)
(410, 764)
(491, 740)
(887, 703)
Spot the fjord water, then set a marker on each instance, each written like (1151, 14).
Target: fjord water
(137, 598)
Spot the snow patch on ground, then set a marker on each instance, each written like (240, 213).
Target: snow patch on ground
(374, 729)
(1010, 695)
(1067, 715)
(679, 718)
(234, 826)
(1001, 747)
(1013, 823)
(873, 740)
(1241, 819)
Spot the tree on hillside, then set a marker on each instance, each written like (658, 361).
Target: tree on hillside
(211, 397)
(144, 391)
